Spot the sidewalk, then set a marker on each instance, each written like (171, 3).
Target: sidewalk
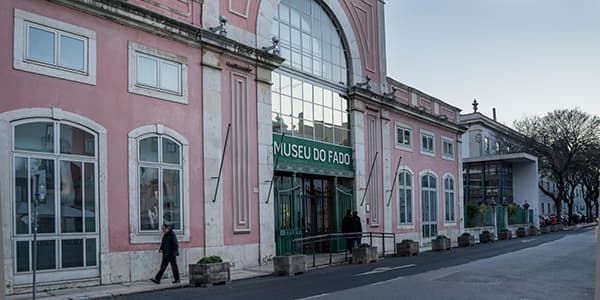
(114, 290)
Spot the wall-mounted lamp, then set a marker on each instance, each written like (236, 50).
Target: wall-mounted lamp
(221, 28)
(274, 48)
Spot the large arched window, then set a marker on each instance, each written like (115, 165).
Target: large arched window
(449, 198)
(306, 100)
(55, 176)
(429, 205)
(159, 175)
(310, 42)
(405, 197)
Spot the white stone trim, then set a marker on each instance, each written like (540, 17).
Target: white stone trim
(135, 237)
(5, 177)
(406, 225)
(20, 61)
(132, 86)
(266, 12)
(454, 148)
(455, 201)
(429, 133)
(402, 146)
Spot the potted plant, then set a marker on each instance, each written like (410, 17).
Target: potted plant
(521, 232)
(289, 265)
(545, 228)
(407, 248)
(364, 253)
(441, 242)
(466, 240)
(505, 234)
(208, 271)
(533, 230)
(486, 237)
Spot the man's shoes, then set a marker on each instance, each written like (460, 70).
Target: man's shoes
(176, 281)
(155, 280)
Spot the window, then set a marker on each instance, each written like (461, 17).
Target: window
(405, 197)
(427, 146)
(403, 137)
(429, 205)
(449, 202)
(447, 148)
(55, 167)
(309, 40)
(53, 48)
(156, 73)
(158, 177)
(486, 145)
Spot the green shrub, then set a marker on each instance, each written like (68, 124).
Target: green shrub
(364, 245)
(210, 260)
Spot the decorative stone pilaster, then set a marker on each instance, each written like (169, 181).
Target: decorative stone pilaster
(388, 171)
(357, 119)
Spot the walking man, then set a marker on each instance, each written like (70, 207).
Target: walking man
(348, 227)
(170, 250)
(357, 227)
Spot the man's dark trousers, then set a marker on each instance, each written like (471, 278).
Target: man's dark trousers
(163, 266)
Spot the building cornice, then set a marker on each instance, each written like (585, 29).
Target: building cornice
(125, 13)
(369, 97)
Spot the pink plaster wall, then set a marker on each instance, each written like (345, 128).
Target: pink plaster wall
(231, 238)
(188, 11)
(417, 162)
(241, 13)
(109, 104)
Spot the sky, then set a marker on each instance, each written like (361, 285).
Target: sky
(523, 57)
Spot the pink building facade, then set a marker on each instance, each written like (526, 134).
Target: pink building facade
(119, 116)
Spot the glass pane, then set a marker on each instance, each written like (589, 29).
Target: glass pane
(42, 175)
(286, 85)
(23, 256)
(76, 141)
(169, 76)
(90, 252)
(46, 255)
(328, 115)
(308, 129)
(149, 149)
(170, 151)
(71, 202)
(276, 121)
(40, 45)
(72, 253)
(286, 105)
(409, 206)
(72, 53)
(147, 71)
(90, 197)
(275, 79)
(275, 102)
(296, 88)
(327, 98)
(328, 134)
(35, 137)
(286, 124)
(171, 199)
(148, 198)
(21, 199)
(308, 113)
(297, 108)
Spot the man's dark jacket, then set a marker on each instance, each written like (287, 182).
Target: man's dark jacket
(169, 245)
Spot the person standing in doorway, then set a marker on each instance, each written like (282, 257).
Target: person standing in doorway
(348, 227)
(357, 224)
(170, 250)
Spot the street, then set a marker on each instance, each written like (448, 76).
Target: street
(552, 266)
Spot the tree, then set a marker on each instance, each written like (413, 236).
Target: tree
(561, 140)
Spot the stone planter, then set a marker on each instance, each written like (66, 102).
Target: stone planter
(555, 227)
(289, 265)
(364, 255)
(486, 237)
(505, 235)
(521, 232)
(205, 275)
(466, 240)
(533, 231)
(545, 229)
(440, 243)
(407, 248)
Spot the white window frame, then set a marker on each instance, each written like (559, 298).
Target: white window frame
(404, 128)
(445, 155)
(136, 50)
(407, 225)
(137, 236)
(432, 136)
(23, 20)
(453, 191)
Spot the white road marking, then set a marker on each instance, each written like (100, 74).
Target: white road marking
(385, 269)
(527, 241)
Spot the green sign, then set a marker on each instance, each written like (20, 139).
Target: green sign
(301, 155)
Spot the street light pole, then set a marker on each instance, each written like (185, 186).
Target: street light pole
(40, 185)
